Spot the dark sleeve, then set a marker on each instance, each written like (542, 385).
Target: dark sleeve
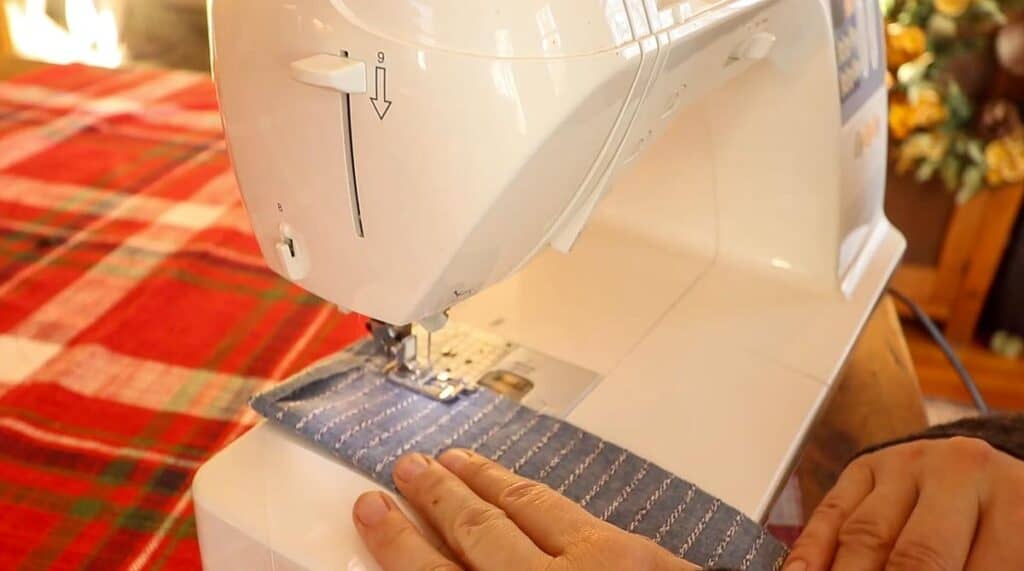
(1002, 432)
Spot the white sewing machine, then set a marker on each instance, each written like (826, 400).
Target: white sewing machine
(670, 210)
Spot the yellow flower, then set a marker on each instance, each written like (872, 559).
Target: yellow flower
(926, 95)
(931, 146)
(900, 124)
(952, 8)
(1005, 160)
(925, 109)
(903, 44)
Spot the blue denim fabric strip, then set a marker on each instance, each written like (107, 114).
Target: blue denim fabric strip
(351, 411)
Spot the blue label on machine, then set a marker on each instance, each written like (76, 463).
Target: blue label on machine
(860, 54)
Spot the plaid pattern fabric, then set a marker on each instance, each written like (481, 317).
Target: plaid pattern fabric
(136, 315)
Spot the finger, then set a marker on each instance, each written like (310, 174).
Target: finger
(478, 532)
(429, 533)
(547, 517)
(817, 544)
(392, 539)
(939, 532)
(867, 537)
(998, 543)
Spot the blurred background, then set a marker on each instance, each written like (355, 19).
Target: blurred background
(956, 78)
(108, 33)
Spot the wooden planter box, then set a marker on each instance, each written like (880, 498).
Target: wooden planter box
(953, 251)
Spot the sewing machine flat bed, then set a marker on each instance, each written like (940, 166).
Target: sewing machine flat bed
(733, 423)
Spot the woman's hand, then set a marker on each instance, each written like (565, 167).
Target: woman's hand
(928, 505)
(490, 518)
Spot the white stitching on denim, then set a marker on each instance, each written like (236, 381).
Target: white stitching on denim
(675, 514)
(371, 421)
(626, 491)
(515, 438)
(537, 447)
(408, 445)
(320, 409)
(640, 515)
(391, 431)
(465, 427)
(604, 479)
(350, 413)
(700, 527)
(753, 551)
(560, 455)
(779, 562)
(725, 541)
(350, 376)
(494, 429)
(582, 467)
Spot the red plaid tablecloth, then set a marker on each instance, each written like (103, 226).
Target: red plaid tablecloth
(136, 315)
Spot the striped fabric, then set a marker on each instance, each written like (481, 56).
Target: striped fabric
(136, 315)
(346, 407)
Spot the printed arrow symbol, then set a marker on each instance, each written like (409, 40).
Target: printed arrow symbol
(380, 101)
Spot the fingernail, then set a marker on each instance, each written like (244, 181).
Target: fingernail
(410, 466)
(371, 508)
(453, 459)
(795, 566)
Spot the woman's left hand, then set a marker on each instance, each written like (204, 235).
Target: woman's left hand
(492, 519)
(928, 505)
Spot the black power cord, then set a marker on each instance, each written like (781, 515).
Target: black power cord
(943, 343)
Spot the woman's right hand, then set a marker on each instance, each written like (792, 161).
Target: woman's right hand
(490, 518)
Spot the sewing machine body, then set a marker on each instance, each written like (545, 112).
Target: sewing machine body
(709, 178)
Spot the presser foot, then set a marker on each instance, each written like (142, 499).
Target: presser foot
(398, 344)
(438, 385)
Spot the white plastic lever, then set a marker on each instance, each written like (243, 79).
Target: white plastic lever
(292, 254)
(333, 72)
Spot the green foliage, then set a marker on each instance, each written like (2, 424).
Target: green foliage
(959, 108)
(961, 166)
